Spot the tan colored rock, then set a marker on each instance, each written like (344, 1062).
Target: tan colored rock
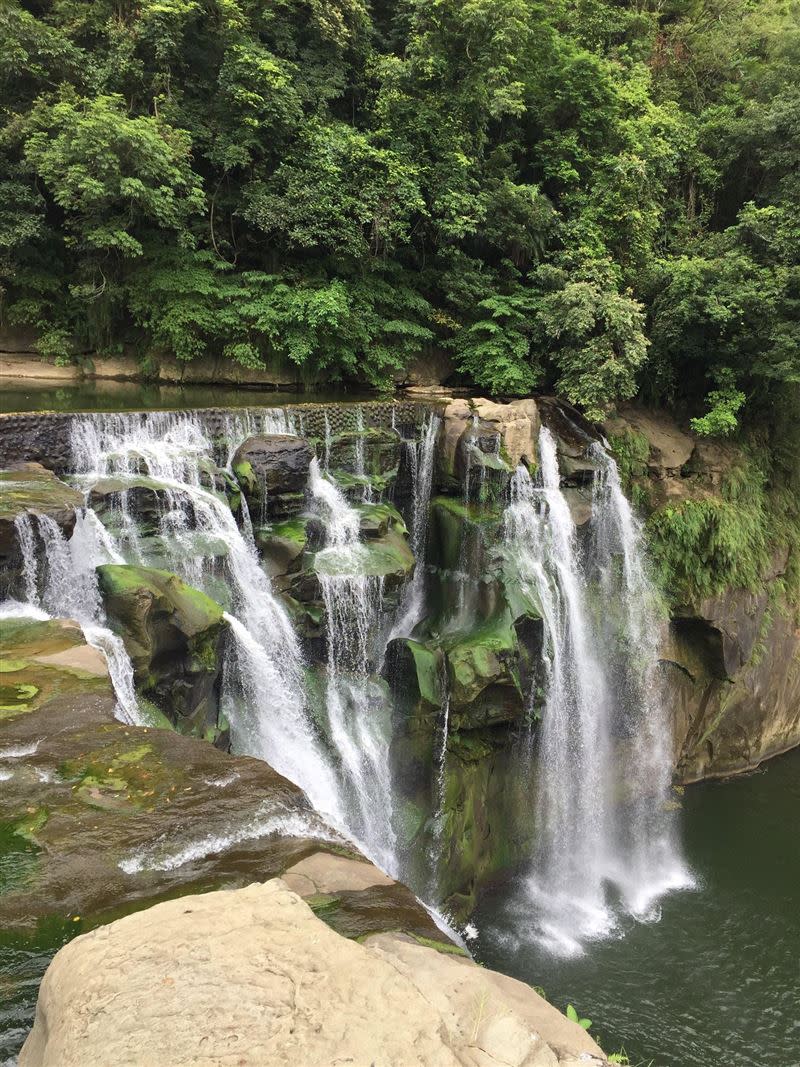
(484, 1007)
(324, 872)
(670, 447)
(86, 658)
(251, 977)
(517, 423)
(456, 417)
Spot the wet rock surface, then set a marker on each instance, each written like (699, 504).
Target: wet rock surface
(272, 471)
(30, 489)
(174, 635)
(44, 662)
(732, 670)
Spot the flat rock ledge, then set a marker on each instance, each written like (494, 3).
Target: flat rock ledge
(252, 978)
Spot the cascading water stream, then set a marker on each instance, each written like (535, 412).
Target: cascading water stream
(573, 779)
(421, 455)
(264, 690)
(630, 626)
(70, 590)
(587, 839)
(354, 700)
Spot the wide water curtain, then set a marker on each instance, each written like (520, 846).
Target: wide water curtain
(167, 460)
(602, 769)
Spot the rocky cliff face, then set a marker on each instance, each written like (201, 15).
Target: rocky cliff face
(731, 660)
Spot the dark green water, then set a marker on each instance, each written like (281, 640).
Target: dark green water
(18, 395)
(715, 983)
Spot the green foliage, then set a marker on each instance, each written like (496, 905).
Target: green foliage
(724, 403)
(596, 198)
(704, 546)
(631, 451)
(573, 1016)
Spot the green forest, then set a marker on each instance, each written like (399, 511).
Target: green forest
(592, 197)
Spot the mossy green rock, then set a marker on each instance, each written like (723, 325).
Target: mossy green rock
(388, 556)
(460, 530)
(481, 834)
(43, 661)
(483, 676)
(174, 635)
(379, 447)
(281, 546)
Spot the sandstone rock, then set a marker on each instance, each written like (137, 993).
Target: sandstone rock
(456, 417)
(323, 872)
(518, 425)
(272, 471)
(253, 977)
(173, 634)
(670, 447)
(427, 371)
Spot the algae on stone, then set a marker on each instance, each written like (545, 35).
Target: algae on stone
(174, 635)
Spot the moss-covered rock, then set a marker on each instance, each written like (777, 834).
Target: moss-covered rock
(174, 635)
(416, 677)
(281, 545)
(371, 451)
(487, 783)
(29, 488)
(483, 676)
(41, 662)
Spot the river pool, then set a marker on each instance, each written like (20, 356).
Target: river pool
(714, 983)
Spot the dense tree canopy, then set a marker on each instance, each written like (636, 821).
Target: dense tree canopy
(594, 196)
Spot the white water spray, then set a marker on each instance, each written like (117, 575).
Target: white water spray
(70, 591)
(586, 841)
(421, 455)
(355, 701)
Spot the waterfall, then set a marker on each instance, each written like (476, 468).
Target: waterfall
(70, 591)
(282, 737)
(631, 636)
(421, 455)
(354, 699)
(264, 687)
(586, 841)
(359, 460)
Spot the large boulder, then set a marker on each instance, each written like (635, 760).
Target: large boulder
(254, 977)
(486, 439)
(174, 636)
(272, 471)
(30, 489)
(517, 425)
